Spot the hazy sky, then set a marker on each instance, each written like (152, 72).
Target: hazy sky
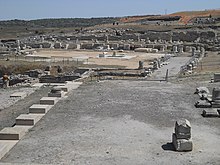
(36, 9)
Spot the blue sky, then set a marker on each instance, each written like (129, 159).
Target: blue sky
(37, 9)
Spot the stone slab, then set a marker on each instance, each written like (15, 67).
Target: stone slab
(215, 105)
(13, 133)
(39, 108)
(182, 144)
(61, 94)
(210, 112)
(28, 119)
(203, 104)
(19, 94)
(6, 146)
(64, 88)
(48, 100)
(38, 85)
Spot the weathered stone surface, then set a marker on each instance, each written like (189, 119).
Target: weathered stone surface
(182, 144)
(203, 104)
(13, 133)
(38, 108)
(48, 100)
(58, 94)
(202, 90)
(183, 126)
(217, 77)
(19, 94)
(6, 146)
(28, 119)
(210, 112)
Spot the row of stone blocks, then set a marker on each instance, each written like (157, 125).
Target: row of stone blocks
(181, 138)
(9, 136)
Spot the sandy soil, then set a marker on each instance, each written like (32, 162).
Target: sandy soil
(120, 122)
(92, 57)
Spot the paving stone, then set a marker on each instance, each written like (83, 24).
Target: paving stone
(19, 94)
(48, 100)
(182, 144)
(13, 133)
(58, 94)
(6, 146)
(39, 108)
(28, 119)
(210, 112)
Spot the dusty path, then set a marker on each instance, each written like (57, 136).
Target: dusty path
(120, 122)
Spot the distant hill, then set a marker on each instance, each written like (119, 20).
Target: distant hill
(182, 17)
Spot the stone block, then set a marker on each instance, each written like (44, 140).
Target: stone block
(28, 119)
(38, 85)
(48, 100)
(203, 104)
(6, 146)
(182, 126)
(210, 112)
(19, 94)
(13, 133)
(215, 104)
(57, 94)
(217, 77)
(38, 108)
(202, 90)
(63, 88)
(182, 144)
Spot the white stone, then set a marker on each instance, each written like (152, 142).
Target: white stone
(48, 100)
(39, 108)
(28, 119)
(19, 94)
(13, 133)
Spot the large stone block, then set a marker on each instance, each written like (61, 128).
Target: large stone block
(28, 119)
(19, 94)
(210, 112)
(13, 133)
(48, 100)
(217, 77)
(38, 108)
(56, 94)
(182, 144)
(203, 104)
(182, 126)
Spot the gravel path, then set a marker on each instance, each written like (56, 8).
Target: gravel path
(120, 122)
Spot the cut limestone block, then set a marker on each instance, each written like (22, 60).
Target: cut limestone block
(28, 119)
(6, 146)
(182, 144)
(183, 126)
(13, 133)
(203, 104)
(19, 94)
(210, 113)
(202, 90)
(38, 85)
(39, 108)
(63, 88)
(48, 100)
(56, 94)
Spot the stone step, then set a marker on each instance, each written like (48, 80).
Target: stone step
(61, 94)
(13, 133)
(48, 100)
(38, 108)
(28, 119)
(19, 94)
(6, 146)
(211, 112)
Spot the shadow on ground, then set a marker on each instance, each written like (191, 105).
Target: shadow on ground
(168, 147)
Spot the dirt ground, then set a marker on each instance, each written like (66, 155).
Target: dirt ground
(120, 122)
(91, 57)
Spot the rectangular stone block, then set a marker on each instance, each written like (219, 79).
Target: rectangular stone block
(13, 133)
(182, 144)
(6, 146)
(38, 108)
(19, 94)
(61, 94)
(182, 126)
(48, 100)
(215, 104)
(210, 113)
(64, 88)
(28, 119)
